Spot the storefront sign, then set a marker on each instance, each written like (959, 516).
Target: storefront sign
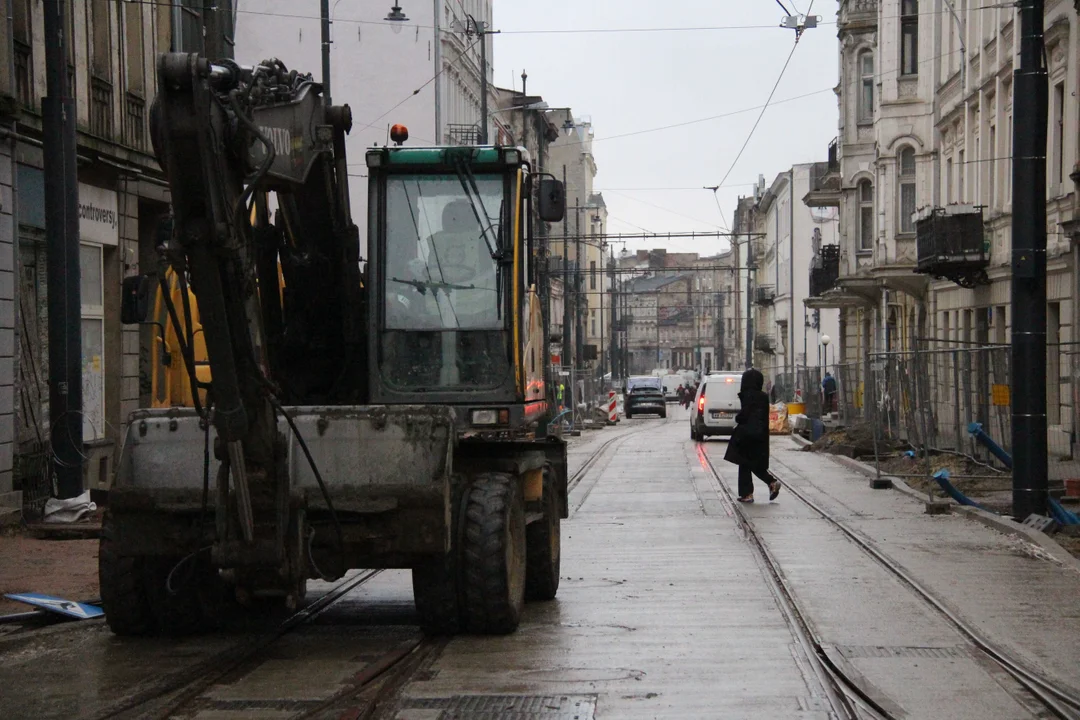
(99, 221)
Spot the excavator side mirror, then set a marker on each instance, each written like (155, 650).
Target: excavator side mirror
(552, 200)
(135, 300)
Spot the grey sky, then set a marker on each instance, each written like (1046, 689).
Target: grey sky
(631, 81)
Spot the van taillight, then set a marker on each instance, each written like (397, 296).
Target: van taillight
(701, 404)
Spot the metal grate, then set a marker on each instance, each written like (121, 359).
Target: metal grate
(135, 121)
(24, 74)
(460, 134)
(505, 707)
(101, 107)
(32, 475)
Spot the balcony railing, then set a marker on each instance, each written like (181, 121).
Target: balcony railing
(764, 294)
(824, 278)
(101, 108)
(460, 134)
(24, 73)
(765, 343)
(134, 121)
(951, 244)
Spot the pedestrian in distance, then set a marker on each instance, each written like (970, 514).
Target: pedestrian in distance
(680, 394)
(828, 389)
(749, 445)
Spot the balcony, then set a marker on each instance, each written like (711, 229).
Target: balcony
(765, 344)
(764, 294)
(824, 277)
(825, 181)
(951, 245)
(101, 108)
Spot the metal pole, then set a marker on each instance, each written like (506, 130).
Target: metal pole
(325, 14)
(750, 267)
(579, 279)
(481, 31)
(1029, 268)
(566, 347)
(438, 98)
(614, 332)
(62, 239)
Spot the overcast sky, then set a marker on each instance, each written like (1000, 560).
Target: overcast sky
(627, 82)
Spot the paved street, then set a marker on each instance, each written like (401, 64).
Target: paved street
(666, 610)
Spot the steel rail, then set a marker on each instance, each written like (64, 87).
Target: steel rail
(196, 680)
(842, 693)
(1062, 703)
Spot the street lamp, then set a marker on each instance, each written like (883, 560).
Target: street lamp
(825, 340)
(395, 17)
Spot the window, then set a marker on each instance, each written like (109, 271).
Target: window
(961, 168)
(592, 275)
(101, 51)
(866, 87)
(188, 26)
(993, 166)
(948, 180)
(909, 37)
(907, 189)
(1057, 170)
(93, 341)
(133, 39)
(866, 215)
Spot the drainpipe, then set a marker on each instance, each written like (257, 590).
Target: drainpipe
(438, 74)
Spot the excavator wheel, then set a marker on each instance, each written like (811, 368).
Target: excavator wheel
(493, 554)
(134, 590)
(123, 592)
(542, 543)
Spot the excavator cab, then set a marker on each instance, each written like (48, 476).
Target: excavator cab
(452, 265)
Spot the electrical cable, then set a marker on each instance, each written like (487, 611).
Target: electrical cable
(762, 113)
(318, 475)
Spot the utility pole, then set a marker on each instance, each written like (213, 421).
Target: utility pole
(566, 346)
(62, 266)
(325, 14)
(579, 286)
(481, 29)
(614, 331)
(1029, 268)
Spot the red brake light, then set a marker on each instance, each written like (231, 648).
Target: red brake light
(701, 402)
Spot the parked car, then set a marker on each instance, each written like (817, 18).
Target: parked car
(645, 396)
(715, 406)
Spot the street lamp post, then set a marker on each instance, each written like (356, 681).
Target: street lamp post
(481, 29)
(825, 340)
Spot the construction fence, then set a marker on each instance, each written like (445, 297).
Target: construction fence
(928, 398)
(580, 395)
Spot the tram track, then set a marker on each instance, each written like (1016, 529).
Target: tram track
(183, 694)
(1057, 701)
(190, 684)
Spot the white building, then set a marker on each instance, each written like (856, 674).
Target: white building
(787, 332)
(423, 72)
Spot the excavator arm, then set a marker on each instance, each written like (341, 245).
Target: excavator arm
(233, 140)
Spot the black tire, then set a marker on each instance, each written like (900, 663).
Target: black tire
(629, 415)
(543, 548)
(134, 593)
(123, 592)
(435, 591)
(694, 435)
(663, 415)
(493, 555)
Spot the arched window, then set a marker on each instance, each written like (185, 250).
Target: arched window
(866, 87)
(906, 183)
(866, 215)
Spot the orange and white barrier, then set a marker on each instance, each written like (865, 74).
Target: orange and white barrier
(613, 415)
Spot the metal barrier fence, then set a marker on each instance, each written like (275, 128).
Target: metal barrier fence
(580, 395)
(927, 398)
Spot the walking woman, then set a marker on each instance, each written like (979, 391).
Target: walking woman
(749, 445)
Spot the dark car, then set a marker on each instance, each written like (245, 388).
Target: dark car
(645, 396)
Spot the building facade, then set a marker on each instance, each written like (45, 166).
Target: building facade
(112, 61)
(925, 146)
(376, 64)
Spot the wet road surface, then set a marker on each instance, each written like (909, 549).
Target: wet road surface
(665, 610)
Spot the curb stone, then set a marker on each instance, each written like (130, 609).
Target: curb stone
(989, 519)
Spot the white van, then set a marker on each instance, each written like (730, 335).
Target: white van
(715, 406)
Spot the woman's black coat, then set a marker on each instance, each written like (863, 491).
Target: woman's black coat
(749, 444)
